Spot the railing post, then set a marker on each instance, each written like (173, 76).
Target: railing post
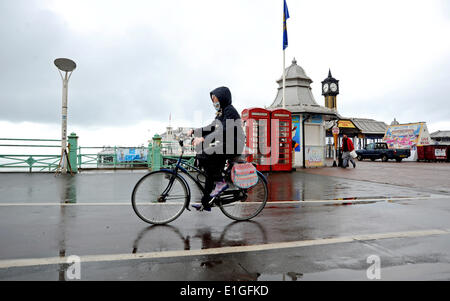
(73, 148)
(80, 162)
(156, 153)
(115, 156)
(149, 155)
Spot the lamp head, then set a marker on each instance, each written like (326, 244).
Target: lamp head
(66, 65)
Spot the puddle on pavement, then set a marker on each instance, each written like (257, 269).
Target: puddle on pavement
(303, 187)
(361, 200)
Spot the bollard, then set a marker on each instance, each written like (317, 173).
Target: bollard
(156, 153)
(73, 148)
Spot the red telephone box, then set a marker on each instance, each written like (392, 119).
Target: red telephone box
(282, 135)
(257, 130)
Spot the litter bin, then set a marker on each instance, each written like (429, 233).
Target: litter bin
(436, 152)
(421, 153)
(440, 152)
(448, 152)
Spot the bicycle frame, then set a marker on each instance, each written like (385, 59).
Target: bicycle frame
(175, 172)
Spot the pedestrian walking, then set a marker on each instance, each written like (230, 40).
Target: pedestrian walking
(347, 147)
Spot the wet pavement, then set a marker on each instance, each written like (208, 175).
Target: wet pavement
(45, 217)
(428, 176)
(307, 185)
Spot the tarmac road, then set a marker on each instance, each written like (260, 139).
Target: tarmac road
(328, 227)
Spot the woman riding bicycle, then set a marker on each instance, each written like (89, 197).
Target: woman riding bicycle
(217, 142)
(162, 195)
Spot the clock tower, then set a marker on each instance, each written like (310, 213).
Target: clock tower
(330, 89)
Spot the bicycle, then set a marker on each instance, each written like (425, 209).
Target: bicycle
(161, 196)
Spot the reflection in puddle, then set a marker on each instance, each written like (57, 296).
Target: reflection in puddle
(294, 276)
(210, 263)
(289, 276)
(67, 194)
(67, 186)
(167, 237)
(307, 187)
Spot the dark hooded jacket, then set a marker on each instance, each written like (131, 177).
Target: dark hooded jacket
(220, 129)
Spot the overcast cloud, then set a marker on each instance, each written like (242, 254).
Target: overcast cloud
(139, 61)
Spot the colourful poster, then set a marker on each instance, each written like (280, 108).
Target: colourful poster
(296, 132)
(314, 156)
(131, 154)
(403, 135)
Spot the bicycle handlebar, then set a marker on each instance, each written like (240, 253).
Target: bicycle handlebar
(181, 139)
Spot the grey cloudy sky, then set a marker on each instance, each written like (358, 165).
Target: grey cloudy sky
(140, 60)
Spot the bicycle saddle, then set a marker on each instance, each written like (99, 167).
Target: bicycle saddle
(237, 159)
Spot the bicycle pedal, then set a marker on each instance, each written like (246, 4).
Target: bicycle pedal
(200, 207)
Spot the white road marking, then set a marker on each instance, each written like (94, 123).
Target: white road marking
(356, 201)
(14, 263)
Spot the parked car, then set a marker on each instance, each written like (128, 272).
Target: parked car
(380, 150)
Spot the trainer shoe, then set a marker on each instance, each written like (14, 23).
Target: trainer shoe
(198, 206)
(220, 186)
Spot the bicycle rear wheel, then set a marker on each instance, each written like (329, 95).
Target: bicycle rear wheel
(159, 197)
(251, 205)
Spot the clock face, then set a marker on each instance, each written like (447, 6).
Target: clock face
(325, 88)
(333, 87)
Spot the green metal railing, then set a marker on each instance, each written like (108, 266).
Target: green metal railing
(26, 161)
(160, 154)
(108, 157)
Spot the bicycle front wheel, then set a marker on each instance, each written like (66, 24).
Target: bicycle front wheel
(159, 197)
(251, 205)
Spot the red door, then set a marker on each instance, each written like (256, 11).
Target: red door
(257, 130)
(281, 140)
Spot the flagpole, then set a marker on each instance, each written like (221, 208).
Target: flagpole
(284, 78)
(284, 52)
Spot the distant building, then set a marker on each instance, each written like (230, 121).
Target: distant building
(440, 137)
(370, 130)
(170, 143)
(105, 157)
(361, 130)
(308, 117)
(395, 122)
(313, 122)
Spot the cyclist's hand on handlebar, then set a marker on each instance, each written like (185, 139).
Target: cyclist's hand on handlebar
(190, 133)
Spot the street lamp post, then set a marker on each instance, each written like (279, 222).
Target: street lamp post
(65, 66)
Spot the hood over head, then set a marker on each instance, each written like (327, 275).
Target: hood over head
(224, 96)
